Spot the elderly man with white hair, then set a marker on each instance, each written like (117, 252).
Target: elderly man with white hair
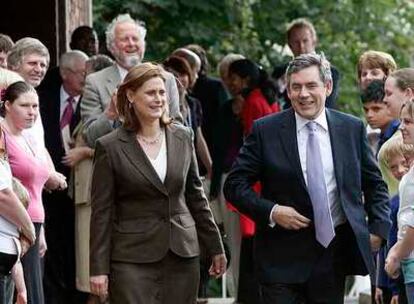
(125, 38)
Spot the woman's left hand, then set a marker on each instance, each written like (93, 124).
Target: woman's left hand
(218, 265)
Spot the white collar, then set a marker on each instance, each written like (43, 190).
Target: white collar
(122, 72)
(320, 121)
(64, 96)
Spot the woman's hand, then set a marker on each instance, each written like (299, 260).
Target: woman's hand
(392, 265)
(75, 155)
(99, 286)
(42, 243)
(29, 233)
(56, 181)
(218, 265)
(25, 244)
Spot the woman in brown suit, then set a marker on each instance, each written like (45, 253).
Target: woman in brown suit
(149, 211)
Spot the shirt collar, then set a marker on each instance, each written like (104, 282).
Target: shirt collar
(64, 96)
(320, 121)
(122, 72)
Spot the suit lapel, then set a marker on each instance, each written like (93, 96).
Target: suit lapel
(134, 153)
(337, 133)
(290, 144)
(175, 155)
(112, 80)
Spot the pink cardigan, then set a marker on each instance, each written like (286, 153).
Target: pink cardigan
(32, 172)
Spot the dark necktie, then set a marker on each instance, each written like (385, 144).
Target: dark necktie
(317, 188)
(67, 113)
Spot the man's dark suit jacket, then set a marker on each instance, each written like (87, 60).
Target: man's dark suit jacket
(270, 155)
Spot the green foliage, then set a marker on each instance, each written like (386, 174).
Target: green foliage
(256, 28)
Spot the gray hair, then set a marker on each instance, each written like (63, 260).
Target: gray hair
(99, 62)
(68, 59)
(308, 60)
(123, 18)
(23, 47)
(223, 65)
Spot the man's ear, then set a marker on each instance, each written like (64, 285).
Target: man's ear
(328, 87)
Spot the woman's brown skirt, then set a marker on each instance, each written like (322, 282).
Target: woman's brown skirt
(172, 280)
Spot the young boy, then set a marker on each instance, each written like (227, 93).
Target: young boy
(377, 114)
(395, 156)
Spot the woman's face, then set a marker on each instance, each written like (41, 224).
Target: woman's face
(407, 126)
(236, 83)
(23, 112)
(149, 100)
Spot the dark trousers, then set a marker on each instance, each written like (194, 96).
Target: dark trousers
(6, 283)
(32, 268)
(325, 284)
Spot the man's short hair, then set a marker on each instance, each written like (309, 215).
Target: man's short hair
(374, 92)
(304, 61)
(223, 65)
(376, 60)
(299, 24)
(123, 18)
(6, 43)
(67, 60)
(23, 47)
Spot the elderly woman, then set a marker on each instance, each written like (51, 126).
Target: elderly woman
(148, 207)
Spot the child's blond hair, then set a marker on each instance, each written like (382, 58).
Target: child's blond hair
(396, 147)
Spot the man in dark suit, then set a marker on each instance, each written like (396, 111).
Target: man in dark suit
(302, 39)
(60, 112)
(315, 166)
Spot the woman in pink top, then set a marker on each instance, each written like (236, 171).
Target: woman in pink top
(20, 111)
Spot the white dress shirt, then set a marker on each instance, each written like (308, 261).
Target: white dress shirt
(122, 72)
(302, 133)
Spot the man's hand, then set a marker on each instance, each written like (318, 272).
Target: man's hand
(378, 296)
(218, 265)
(376, 242)
(289, 218)
(394, 299)
(75, 155)
(99, 286)
(111, 112)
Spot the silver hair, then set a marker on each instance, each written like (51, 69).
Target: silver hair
(123, 18)
(223, 65)
(23, 47)
(68, 59)
(308, 60)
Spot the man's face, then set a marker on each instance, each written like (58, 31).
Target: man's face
(3, 60)
(128, 47)
(74, 77)
(301, 41)
(377, 115)
(308, 93)
(89, 44)
(394, 97)
(368, 75)
(33, 68)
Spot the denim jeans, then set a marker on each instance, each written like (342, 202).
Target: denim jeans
(409, 289)
(6, 289)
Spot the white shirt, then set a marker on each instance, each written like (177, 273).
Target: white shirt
(160, 162)
(122, 72)
(338, 215)
(64, 101)
(405, 216)
(8, 231)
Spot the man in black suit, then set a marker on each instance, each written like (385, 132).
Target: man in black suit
(315, 166)
(60, 112)
(302, 39)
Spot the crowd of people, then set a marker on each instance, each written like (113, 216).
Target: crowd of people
(126, 181)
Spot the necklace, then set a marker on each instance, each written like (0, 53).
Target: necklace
(150, 142)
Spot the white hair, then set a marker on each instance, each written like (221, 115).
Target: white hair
(123, 18)
(8, 77)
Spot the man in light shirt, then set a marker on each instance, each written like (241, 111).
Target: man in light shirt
(314, 164)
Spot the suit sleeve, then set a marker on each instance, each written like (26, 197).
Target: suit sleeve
(207, 231)
(102, 202)
(375, 191)
(244, 174)
(95, 122)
